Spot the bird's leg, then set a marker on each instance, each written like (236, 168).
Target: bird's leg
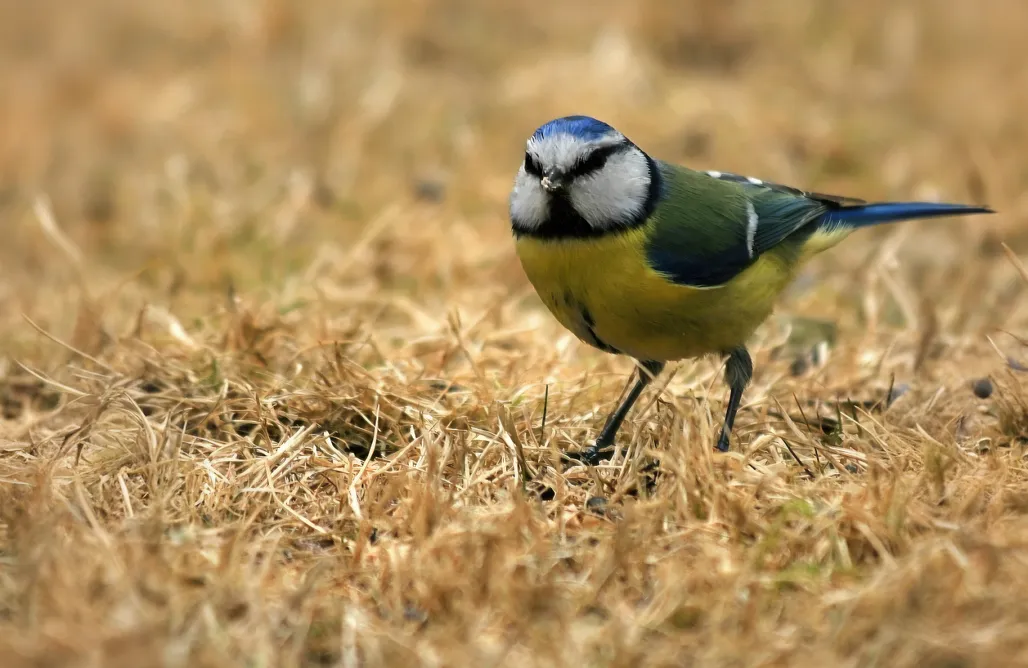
(646, 373)
(738, 371)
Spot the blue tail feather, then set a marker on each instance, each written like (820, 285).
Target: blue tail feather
(865, 215)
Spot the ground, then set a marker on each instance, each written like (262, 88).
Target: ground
(275, 391)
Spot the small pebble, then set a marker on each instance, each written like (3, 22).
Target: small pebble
(430, 190)
(446, 386)
(323, 195)
(413, 614)
(696, 143)
(982, 388)
(897, 392)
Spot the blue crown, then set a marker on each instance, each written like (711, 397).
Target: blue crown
(583, 127)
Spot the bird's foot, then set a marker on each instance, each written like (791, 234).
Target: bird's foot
(722, 442)
(593, 454)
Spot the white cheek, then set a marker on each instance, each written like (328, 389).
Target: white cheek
(529, 206)
(614, 195)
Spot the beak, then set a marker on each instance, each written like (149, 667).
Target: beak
(552, 181)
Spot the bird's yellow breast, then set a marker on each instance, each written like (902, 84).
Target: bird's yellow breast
(604, 291)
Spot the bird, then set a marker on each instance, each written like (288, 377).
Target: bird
(660, 262)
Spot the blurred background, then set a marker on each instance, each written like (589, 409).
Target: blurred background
(267, 223)
(190, 146)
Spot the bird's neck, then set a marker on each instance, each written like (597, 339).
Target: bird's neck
(564, 222)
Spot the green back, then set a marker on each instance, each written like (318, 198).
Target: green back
(707, 229)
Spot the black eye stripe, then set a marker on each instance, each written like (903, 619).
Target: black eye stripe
(531, 166)
(596, 160)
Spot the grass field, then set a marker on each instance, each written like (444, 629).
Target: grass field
(273, 384)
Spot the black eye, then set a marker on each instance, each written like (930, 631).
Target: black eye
(531, 166)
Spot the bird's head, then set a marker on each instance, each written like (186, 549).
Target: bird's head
(581, 177)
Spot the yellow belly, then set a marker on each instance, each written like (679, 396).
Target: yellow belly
(604, 289)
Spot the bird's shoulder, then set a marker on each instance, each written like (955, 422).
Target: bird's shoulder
(710, 226)
(715, 183)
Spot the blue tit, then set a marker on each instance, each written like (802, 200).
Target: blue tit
(659, 262)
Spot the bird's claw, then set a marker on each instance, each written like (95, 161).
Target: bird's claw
(593, 454)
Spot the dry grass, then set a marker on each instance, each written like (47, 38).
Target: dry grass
(273, 383)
